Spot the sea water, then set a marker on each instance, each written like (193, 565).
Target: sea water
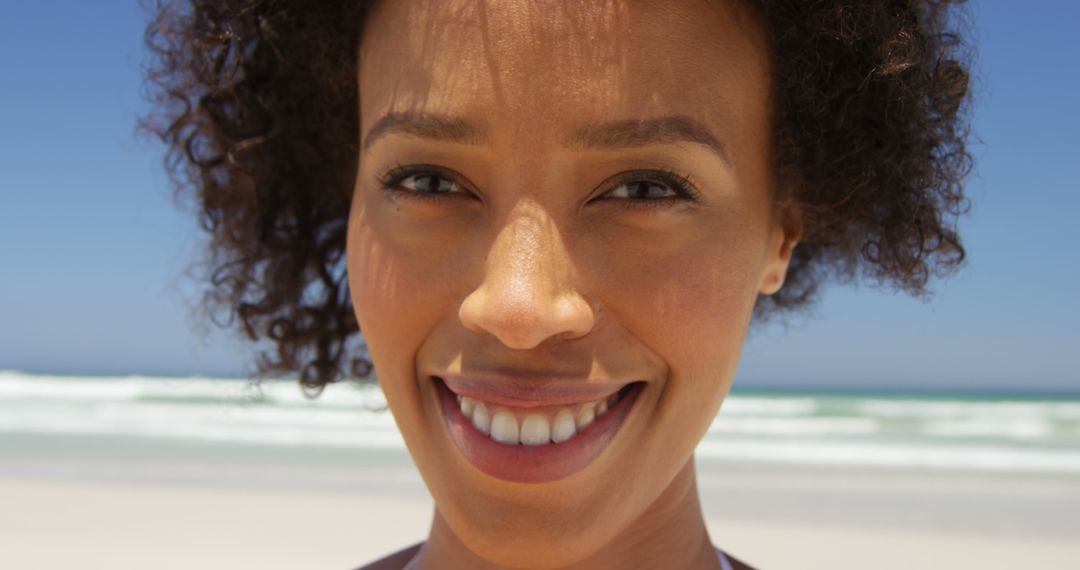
(920, 431)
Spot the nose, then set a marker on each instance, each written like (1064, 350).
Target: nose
(527, 294)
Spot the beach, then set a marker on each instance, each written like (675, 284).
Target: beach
(149, 474)
(121, 513)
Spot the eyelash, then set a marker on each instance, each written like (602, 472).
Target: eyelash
(390, 180)
(681, 185)
(684, 188)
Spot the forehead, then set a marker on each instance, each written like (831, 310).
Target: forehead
(547, 64)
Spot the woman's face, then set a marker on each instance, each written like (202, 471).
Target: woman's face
(557, 203)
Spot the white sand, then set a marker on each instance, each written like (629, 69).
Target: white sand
(771, 546)
(93, 525)
(51, 522)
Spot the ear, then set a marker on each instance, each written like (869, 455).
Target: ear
(784, 235)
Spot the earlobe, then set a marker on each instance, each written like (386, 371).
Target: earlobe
(786, 235)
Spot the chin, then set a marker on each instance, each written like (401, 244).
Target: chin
(517, 537)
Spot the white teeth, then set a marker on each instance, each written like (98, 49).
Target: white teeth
(563, 428)
(480, 418)
(504, 428)
(467, 405)
(586, 416)
(535, 430)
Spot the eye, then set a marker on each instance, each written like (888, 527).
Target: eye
(650, 188)
(642, 190)
(421, 181)
(429, 183)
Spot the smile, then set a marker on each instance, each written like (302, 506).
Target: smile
(534, 440)
(529, 426)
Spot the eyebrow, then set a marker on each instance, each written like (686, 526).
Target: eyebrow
(611, 135)
(643, 132)
(429, 126)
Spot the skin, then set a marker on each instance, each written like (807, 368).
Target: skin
(538, 260)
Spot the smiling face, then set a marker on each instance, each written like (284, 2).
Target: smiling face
(558, 203)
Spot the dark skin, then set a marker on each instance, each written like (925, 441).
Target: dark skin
(562, 247)
(258, 103)
(399, 559)
(839, 127)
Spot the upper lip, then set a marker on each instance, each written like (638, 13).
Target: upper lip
(531, 392)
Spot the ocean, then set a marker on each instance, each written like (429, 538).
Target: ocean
(987, 433)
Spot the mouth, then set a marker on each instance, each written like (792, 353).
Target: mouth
(533, 444)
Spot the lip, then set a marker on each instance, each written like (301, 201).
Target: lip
(534, 464)
(533, 394)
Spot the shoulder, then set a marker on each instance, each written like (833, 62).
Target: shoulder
(395, 561)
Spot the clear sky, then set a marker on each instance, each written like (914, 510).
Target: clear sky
(92, 249)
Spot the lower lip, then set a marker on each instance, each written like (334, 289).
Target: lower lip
(540, 463)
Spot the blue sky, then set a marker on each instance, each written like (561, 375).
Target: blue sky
(92, 249)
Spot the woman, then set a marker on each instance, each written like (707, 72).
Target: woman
(557, 222)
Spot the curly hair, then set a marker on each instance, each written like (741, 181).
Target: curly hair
(256, 101)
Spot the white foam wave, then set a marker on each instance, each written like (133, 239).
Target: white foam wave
(755, 406)
(1025, 429)
(131, 388)
(226, 424)
(962, 458)
(801, 427)
(935, 409)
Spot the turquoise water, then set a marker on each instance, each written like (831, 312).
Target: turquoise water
(922, 431)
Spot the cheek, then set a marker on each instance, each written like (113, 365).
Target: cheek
(386, 300)
(401, 287)
(700, 314)
(702, 309)
(690, 304)
(692, 308)
(371, 267)
(395, 305)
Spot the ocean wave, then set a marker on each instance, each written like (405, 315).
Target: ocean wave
(801, 427)
(192, 389)
(1023, 429)
(911, 408)
(951, 457)
(756, 406)
(811, 429)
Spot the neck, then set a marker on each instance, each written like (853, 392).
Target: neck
(670, 533)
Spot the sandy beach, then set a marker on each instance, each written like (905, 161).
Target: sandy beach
(137, 473)
(121, 513)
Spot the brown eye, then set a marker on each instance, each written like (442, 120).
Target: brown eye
(430, 183)
(643, 190)
(425, 182)
(650, 188)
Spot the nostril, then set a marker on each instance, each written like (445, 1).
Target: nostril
(516, 328)
(526, 323)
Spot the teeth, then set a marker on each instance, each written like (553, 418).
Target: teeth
(586, 417)
(467, 405)
(504, 428)
(535, 430)
(480, 418)
(563, 428)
